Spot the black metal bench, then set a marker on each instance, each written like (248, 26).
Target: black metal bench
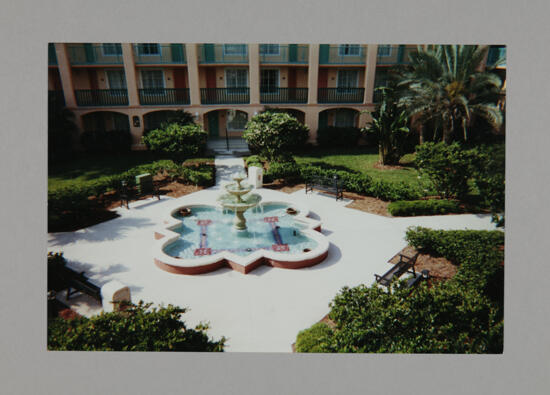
(416, 279)
(403, 266)
(326, 184)
(78, 282)
(144, 187)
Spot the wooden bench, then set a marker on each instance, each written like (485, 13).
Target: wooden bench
(326, 184)
(144, 187)
(405, 263)
(78, 282)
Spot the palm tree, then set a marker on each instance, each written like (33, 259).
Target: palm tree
(389, 125)
(446, 87)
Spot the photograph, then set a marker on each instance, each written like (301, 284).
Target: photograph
(276, 197)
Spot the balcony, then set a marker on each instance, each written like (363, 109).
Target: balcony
(341, 54)
(340, 95)
(283, 95)
(52, 56)
(163, 96)
(223, 54)
(394, 54)
(496, 54)
(94, 54)
(225, 95)
(101, 97)
(56, 98)
(284, 54)
(159, 54)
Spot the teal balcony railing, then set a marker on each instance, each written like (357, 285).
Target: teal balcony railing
(92, 54)
(223, 53)
(340, 95)
(284, 54)
(496, 53)
(396, 54)
(283, 95)
(225, 95)
(340, 54)
(56, 98)
(159, 54)
(101, 97)
(163, 96)
(52, 56)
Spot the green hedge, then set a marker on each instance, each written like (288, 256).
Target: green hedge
(76, 198)
(461, 315)
(138, 328)
(313, 339)
(352, 182)
(409, 208)
(176, 140)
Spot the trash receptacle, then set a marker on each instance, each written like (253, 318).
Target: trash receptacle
(255, 176)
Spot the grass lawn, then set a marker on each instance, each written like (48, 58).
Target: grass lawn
(363, 160)
(85, 168)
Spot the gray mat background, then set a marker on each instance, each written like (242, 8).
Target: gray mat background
(27, 26)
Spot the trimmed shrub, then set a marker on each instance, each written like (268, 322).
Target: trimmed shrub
(447, 165)
(138, 328)
(461, 315)
(290, 171)
(101, 141)
(275, 135)
(314, 339)
(333, 136)
(404, 208)
(488, 170)
(177, 141)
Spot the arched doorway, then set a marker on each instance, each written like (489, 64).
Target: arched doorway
(225, 128)
(105, 121)
(339, 117)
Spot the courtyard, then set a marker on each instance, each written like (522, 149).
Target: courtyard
(261, 311)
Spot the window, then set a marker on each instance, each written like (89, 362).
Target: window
(234, 49)
(116, 79)
(269, 49)
(236, 78)
(344, 118)
(349, 50)
(236, 120)
(111, 49)
(384, 50)
(148, 49)
(269, 80)
(152, 79)
(348, 78)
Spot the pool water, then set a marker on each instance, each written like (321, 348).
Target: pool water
(209, 230)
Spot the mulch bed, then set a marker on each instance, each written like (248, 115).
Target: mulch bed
(440, 268)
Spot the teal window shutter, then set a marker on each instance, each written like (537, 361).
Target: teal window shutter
(177, 53)
(209, 54)
(400, 52)
(293, 53)
(323, 53)
(90, 54)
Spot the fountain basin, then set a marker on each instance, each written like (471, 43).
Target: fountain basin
(205, 241)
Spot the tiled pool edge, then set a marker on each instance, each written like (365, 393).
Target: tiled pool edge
(242, 264)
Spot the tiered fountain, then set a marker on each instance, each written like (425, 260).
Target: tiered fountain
(239, 199)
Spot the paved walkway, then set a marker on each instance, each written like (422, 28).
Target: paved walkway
(265, 309)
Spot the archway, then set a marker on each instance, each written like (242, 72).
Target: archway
(339, 117)
(105, 121)
(225, 128)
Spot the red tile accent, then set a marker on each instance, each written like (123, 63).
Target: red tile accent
(280, 247)
(271, 219)
(204, 222)
(203, 251)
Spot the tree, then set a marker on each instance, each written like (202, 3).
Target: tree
(275, 135)
(176, 140)
(138, 328)
(444, 87)
(62, 131)
(389, 125)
